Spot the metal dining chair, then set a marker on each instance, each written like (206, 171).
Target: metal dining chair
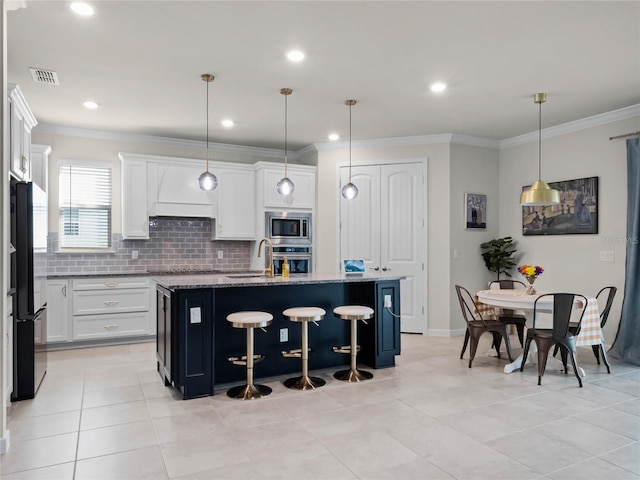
(559, 334)
(508, 316)
(476, 326)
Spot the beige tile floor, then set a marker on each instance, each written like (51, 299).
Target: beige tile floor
(103, 413)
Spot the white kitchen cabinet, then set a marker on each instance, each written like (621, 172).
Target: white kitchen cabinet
(235, 211)
(303, 178)
(135, 214)
(111, 307)
(21, 122)
(40, 165)
(58, 319)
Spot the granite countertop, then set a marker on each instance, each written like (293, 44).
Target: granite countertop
(217, 280)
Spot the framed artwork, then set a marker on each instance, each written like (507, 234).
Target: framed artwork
(576, 214)
(475, 208)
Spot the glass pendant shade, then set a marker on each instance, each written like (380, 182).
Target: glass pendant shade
(349, 191)
(540, 193)
(207, 181)
(285, 186)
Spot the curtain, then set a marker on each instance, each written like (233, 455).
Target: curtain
(626, 346)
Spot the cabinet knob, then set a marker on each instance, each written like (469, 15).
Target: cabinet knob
(110, 302)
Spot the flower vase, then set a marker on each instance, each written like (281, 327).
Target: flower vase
(530, 290)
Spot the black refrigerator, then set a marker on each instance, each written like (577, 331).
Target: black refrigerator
(29, 226)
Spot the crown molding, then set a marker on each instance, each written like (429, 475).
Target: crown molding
(386, 142)
(569, 127)
(173, 142)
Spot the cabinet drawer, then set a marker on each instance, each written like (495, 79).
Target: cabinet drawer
(93, 302)
(109, 283)
(88, 327)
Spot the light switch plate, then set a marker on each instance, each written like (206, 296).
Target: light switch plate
(607, 256)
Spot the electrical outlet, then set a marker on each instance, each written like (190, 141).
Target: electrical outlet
(134, 254)
(387, 301)
(284, 334)
(220, 254)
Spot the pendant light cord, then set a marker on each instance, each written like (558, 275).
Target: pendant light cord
(207, 82)
(350, 142)
(540, 141)
(285, 137)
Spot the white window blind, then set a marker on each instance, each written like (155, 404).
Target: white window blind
(85, 206)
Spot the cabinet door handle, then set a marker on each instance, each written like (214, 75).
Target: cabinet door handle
(64, 290)
(111, 327)
(110, 302)
(23, 163)
(111, 284)
(384, 269)
(375, 268)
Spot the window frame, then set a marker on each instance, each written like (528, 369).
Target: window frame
(88, 164)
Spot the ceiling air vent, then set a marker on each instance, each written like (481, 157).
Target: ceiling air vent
(44, 76)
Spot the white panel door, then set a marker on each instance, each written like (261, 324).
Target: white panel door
(360, 217)
(401, 234)
(384, 226)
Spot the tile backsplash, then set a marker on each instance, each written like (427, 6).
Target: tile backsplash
(174, 244)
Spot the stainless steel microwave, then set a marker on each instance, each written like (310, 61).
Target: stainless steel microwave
(288, 228)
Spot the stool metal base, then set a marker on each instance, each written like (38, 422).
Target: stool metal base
(353, 375)
(304, 383)
(249, 392)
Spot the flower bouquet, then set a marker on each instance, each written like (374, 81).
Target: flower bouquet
(530, 272)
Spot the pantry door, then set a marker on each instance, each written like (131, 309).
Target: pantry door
(384, 226)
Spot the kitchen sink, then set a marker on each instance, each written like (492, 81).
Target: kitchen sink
(247, 275)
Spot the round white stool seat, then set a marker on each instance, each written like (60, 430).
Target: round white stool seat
(250, 319)
(305, 314)
(354, 312)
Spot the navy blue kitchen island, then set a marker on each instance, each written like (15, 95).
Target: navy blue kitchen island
(195, 341)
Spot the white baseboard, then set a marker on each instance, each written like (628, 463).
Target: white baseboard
(5, 442)
(446, 333)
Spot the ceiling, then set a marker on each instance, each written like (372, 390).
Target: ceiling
(142, 61)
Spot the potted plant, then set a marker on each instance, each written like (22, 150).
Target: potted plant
(498, 255)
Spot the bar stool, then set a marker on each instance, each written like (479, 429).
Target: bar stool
(352, 313)
(304, 315)
(249, 321)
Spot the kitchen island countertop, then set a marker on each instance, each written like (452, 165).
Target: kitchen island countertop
(192, 281)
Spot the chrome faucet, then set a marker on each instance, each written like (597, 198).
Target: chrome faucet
(268, 255)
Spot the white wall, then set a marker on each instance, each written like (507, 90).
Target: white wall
(473, 170)
(572, 262)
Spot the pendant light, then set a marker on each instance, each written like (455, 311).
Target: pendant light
(285, 186)
(540, 193)
(207, 180)
(350, 191)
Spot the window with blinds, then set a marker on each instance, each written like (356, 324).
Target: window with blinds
(85, 206)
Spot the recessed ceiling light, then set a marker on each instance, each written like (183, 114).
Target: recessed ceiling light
(438, 87)
(91, 105)
(333, 137)
(227, 123)
(295, 55)
(82, 8)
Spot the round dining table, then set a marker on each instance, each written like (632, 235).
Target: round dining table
(590, 332)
